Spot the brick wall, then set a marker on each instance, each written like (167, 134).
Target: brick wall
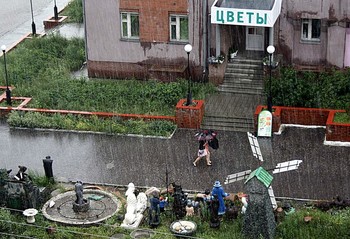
(153, 15)
(189, 116)
(336, 131)
(105, 69)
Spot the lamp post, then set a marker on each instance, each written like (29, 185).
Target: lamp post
(270, 50)
(188, 49)
(8, 91)
(55, 11)
(33, 24)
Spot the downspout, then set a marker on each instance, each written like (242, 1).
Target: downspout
(85, 38)
(205, 40)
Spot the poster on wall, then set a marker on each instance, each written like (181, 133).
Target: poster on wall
(265, 124)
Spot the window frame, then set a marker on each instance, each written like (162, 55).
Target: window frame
(309, 22)
(129, 35)
(177, 25)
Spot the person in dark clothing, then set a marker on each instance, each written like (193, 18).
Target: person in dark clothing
(203, 150)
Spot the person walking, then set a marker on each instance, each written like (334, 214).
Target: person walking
(203, 150)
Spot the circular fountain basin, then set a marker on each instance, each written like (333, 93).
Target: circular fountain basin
(102, 206)
(183, 228)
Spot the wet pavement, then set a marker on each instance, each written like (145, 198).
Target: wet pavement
(16, 18)
(145, 161)
(119, 160)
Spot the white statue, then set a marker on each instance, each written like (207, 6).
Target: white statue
(245, 205)
(141, 202)
(131, 202)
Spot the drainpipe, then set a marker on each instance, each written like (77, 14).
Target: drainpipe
(205, 22)
(218, 40)
(85, 36)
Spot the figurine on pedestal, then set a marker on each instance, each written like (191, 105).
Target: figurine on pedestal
(154, 212)
(220, 193)
(80, 204)
(163, 202)
(131, 201)
(214, 209)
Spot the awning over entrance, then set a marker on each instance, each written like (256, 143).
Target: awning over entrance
(260, 13)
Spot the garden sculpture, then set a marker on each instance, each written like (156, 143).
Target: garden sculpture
(180, 201)
(259, 216)
(153, 212)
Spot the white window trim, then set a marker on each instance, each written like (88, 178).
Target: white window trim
(309, 38)
(177, 24)
(128, 22)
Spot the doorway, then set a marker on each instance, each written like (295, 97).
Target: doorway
(255, 38)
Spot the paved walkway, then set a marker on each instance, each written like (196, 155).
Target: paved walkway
(41, 13)
(323, 174)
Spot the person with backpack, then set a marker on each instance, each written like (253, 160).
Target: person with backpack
(203, 151)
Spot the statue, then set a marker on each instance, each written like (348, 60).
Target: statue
(154, 212)
(136, 203)
(18, 191)
(220, 193)
(78, 187)
(80, 204)
(131, 202)
(214, 209)
(21, 174)
(180, 201)
(141, 198)
(189, 209)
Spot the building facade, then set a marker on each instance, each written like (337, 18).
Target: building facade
(145, 39)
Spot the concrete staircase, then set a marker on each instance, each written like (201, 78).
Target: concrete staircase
(232, 109)
(243, 76)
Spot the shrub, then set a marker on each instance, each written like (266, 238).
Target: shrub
(308, 89)
(85, 123)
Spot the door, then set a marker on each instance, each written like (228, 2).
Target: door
(255, 38)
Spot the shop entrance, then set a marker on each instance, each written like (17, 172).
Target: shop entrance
(255, 38)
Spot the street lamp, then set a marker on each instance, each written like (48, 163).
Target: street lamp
(33, 24)
(55, 11)
(8, 91)
(188, 49)
(270, 50)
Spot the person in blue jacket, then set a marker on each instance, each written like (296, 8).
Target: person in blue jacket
(220, 193)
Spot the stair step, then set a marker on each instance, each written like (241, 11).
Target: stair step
(244, 71)
(243, 60)
(229, 123)
(231, 119)
(243, 82)
(244, 77)
(244, 66)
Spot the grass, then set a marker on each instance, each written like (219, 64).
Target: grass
(41, 69)
(74, 11)
(113, 125)
(333, 224)
(341, 118)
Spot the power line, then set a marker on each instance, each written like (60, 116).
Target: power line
(9, 234)
(82, 233)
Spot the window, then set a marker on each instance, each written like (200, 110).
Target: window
(178, 28)
(311, 29)
(130, 25)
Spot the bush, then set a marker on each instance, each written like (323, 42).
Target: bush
(308, 89)
(74, 11)
(85, 123)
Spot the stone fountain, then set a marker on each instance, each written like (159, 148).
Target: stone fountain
(81, 207)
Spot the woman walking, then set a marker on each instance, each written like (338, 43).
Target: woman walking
(203, 150)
